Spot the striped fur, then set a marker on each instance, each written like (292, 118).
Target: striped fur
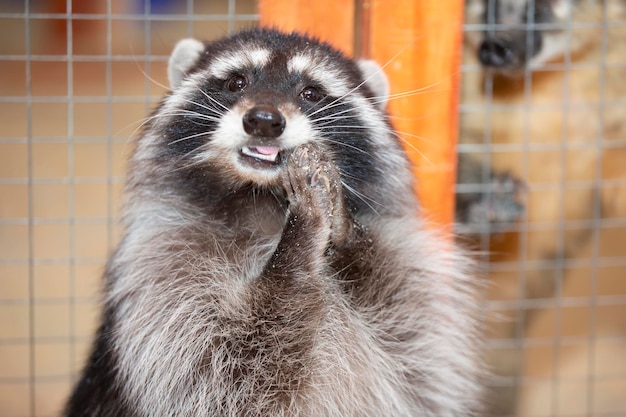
(305, 288)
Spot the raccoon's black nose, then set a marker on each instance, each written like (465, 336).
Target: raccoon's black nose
(497, 53)
(265, 121)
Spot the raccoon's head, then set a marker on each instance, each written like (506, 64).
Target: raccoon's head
(518, 34)
(239, 105)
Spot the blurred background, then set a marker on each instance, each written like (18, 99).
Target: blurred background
(72, 93)
(78, 78)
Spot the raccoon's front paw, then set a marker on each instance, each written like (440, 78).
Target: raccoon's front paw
(499, 208)
(314, 191)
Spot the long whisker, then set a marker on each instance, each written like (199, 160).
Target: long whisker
(363, 198)
(346, 145)
(178, 112)
(213, 100)
(337, 114)
(146, 75)
(412, 135)
(207, 108)
(365, 81)
(330, 120)
(413, 147)
(187, 138)
(191, 114)
(191, 163)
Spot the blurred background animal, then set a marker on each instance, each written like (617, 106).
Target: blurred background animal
(543, 106)
(493, 205)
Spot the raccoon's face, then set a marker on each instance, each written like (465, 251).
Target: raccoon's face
(238, 106)
(518, 34)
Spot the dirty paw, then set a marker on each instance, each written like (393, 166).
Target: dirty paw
(314, 190)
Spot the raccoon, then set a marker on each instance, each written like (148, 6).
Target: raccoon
(550, 81)
(274, 262)
(549, 91)
(522, 35)
(517, 36)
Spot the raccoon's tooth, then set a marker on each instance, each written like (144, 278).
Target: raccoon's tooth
(247, 151)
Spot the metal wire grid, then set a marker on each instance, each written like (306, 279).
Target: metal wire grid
(560, 353)
(75, 85)
(49, 264)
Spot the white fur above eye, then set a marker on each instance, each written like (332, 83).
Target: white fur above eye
(185, 55)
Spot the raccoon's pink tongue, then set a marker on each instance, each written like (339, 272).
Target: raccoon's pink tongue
(267, 150)
(266, 153)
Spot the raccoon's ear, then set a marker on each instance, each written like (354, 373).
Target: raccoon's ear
(185, 55)
(376, 80)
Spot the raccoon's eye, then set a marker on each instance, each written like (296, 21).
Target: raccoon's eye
(311, 94)
(237, 83)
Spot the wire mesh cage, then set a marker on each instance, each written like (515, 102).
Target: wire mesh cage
(78, 79)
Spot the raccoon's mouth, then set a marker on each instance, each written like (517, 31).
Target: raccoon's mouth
(261, 156)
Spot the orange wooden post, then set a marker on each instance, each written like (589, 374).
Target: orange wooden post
(421, 40)
(329, 20)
